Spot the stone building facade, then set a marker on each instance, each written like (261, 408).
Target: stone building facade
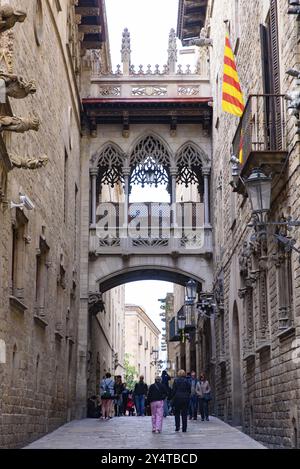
(257, 380)
(141, 338)
(40, 248)
(106, 346)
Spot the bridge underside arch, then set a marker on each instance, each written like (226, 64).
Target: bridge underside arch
(147, 273)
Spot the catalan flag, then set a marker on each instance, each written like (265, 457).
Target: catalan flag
(232, 97)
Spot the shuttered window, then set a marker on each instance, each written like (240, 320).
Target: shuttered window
(271, 77)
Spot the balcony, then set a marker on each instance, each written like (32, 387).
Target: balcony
(261, 136)
(164, 229)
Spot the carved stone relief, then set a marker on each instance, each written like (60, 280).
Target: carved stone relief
(28, 162)
(18, 124)
(188, 90)
(149, 91)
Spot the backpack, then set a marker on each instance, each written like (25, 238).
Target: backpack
(107, 393)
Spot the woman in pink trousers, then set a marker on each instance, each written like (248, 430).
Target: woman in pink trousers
(156, 396)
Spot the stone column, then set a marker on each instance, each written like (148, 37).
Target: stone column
(126, 52)
(94, 174)
(126, 172)
(172, 52)
(206, 173)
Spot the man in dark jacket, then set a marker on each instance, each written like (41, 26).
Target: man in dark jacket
(181, 393)
(140, 393)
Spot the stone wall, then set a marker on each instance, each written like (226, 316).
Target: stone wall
(39, 377)
(268, 379)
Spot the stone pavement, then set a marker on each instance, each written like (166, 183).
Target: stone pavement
(135, 432)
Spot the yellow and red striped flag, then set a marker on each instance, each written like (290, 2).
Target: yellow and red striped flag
(232, 96)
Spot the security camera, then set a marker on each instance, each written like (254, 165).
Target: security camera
(234, 159)
(293, 73)
(27, 202)
(24, 202)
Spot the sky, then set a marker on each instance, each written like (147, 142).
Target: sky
(149, 24)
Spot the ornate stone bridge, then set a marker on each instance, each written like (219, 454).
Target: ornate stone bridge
(147, 127)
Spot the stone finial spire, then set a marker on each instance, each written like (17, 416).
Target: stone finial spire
(126, 52)
(172, 51)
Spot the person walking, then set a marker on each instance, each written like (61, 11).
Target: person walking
(140, 394)
(156, 396)
(118, 389)
(107, 396)
(181, 393)
(203, 391)
(194, 400)
(125, 394)
(165, 378)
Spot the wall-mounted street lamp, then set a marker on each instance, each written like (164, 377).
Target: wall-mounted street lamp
(155, 354)
(190, 292)
(258, 187)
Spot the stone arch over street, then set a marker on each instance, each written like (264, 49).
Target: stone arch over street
(144, 272)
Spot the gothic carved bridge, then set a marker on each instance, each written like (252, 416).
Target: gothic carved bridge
(150, 128)
(144, 127)
(130, 241)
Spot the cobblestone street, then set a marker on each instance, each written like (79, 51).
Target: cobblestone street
(134, 433)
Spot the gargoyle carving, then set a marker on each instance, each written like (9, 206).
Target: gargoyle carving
(9, 17)
(16, 87)
(28, 162)
(96, 303)
(18, 124)
(202, 41)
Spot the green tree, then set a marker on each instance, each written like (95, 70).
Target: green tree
(130, 372)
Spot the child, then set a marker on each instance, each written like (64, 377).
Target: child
(130, 405)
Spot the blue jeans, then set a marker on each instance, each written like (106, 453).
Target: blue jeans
(166, 407)
(204, 409)
(193, 407)
(140, 404)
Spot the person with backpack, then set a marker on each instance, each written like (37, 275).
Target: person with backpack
(107, 396)
(165, 378)
(181, 393)
(140, 394)
(156, 396)
(118, 390)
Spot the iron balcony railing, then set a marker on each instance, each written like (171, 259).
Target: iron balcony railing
(262, 127)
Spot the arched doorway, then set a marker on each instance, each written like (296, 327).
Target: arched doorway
(237, 397)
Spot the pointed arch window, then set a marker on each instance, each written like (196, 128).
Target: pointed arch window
(150, 162)
(190, 161)
(110, 166)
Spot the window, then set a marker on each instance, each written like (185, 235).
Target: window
(249, 318)
(57, 4)
(237, 18)
(222, 331)
(270, 51)
(271, 76)
(38, 22)
(76, 223)
(41, 278)
(66, 174)
(285, 289)
(19, 238)
(61, 287)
